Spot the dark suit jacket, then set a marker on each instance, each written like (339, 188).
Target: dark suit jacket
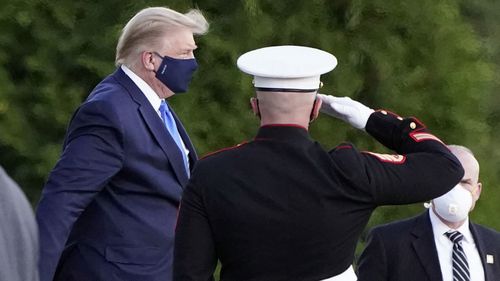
(405, 250)
(109, 207)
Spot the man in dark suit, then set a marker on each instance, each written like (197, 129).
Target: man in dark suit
(109, 207)
(423, 248)
(282, 208)
(18, 233)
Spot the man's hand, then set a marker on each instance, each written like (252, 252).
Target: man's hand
(346, 109)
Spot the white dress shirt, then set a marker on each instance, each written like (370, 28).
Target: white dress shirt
(445, 249)
(347, 275)
(152, 97)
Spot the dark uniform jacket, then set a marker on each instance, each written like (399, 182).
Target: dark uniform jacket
(405, 250)
(280, 207)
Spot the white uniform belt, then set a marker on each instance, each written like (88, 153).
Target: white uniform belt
(347, 275)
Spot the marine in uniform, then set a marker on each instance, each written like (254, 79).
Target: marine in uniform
(280, 206)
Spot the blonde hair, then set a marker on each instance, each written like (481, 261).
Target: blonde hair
(148, 27)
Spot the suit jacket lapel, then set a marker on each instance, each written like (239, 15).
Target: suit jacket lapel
(479, 241)
(425, 248)
(156, 126)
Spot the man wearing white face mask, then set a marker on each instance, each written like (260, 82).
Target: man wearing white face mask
(440, 244)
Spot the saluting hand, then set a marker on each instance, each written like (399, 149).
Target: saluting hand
(346, 109)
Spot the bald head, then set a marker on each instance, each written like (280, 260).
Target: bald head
(442, 206)
(285, 102)
(470, 181)
(468, 161)
(286, 107)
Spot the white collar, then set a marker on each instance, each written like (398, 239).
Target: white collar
(150, 94)
(440, 228)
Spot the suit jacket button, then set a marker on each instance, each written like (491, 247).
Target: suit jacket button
(413, 125)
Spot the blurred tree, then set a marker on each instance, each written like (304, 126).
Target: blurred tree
(51, 58)
(484, 15)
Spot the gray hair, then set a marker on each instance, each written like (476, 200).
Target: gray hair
(146, 29)
(456, 148)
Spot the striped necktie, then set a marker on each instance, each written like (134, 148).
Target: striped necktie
(459, 259)
(169, 121)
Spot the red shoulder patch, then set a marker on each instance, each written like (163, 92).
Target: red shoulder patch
(422, 136)
(224, 149)
(389, 158)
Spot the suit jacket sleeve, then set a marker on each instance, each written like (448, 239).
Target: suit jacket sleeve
(194, 253)
(18, 233)
(92, 154)
(372, 264)
(424, 169)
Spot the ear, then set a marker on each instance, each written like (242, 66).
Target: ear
(478, 191)
(254, 102)
(475, 195)
(315, 110)
(148, 61)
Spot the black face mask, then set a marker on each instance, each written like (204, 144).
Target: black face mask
(176, 73)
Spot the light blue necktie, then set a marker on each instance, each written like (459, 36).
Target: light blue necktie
(169, 121)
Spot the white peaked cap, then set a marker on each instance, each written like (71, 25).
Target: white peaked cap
(287, 68)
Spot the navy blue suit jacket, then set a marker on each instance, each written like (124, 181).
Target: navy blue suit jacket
(108, 210)
(405, 250)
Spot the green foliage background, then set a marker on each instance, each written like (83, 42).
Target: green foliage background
(437, 60)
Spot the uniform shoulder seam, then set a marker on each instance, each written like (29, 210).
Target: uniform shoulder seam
(224, 149)
(342, 146)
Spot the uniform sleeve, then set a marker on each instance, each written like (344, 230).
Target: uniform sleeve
(92, 154)
(194, 253)
(372, 265)
(423, 168)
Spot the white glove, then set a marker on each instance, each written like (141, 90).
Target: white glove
(346, 109)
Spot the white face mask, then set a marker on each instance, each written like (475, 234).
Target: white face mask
(455, 205)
